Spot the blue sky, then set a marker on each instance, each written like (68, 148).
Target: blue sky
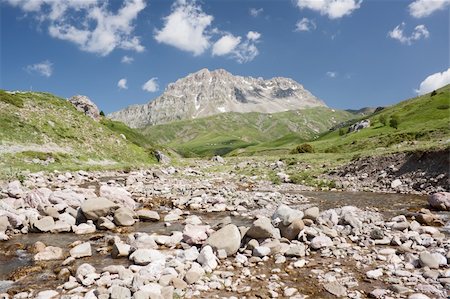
(350, 53)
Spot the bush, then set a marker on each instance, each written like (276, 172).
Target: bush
(394, 122)
(341, 132)
(443, 107)
(102, 113)
(433, 93)
(303, 148)
(383, 119)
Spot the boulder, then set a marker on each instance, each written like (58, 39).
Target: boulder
(147, 215)
(86, 106)
(321, 242)
(429, 260)
(81, 250)
(146, 256)
(38, 198)
(365, 123)
(396, 183)
(118, 195)
(68, 197)
(440, 201)
(207, 259)
(227, 238)
(124, 217)
(120, 250)
(194, 273)
(195, 234)
(95, 208)
(14, 189)
(162, 158)
(45, 224)
(261, 251)
(262, 228)
(49, 253)
(286, 214)
(311, 213)
(84, 269)
(291, 231)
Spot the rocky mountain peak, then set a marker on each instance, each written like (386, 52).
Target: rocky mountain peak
(206, 93)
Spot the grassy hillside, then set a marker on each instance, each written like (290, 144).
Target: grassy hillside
(423, 120)
(224, 133)
(41, 131)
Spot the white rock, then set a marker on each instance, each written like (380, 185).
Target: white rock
(207, 258)
(81, 250)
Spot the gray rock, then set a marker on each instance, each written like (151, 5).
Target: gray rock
(286, 214)
(68, 197)
(48, 294)
(81, 250)
(321, 242)
(261, 251)
(45, 224)
(207, 258)
(4, 223)
(86, 106)
(396, 183)
(84, 270)
(95, 208)
(147, 215)
(336, 289)
(311, 213)
(195, 234)
(376, 234)
(365, 123)
(118, 195)
(49, 253)
(162, 158)
(146, 256)
(120, 250)
(227, 238)
(105, 224)
(261, 228)
(418, 296)
(296, 250)
(124, 216)
(440, 201)
(426, 259)
(38, 198)
(291, 231)
(118, 292)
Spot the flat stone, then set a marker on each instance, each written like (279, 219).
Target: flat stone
(147, 215)
(335, 289)
(45, 224)
(146, 256)
(49, 294)
(49, 253)
(261, 251)
(81, 250)
(118, 292)
(286, 214)
(95, 208)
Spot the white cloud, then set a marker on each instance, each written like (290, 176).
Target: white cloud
(424, 8)
(122, 84)
(332, 74)
(305, 24)
(334, 9)
(225, 45)
(434, 82)
(88, 23)
(254, 12)
(127, 59)
(232, 46)
(419, 32)
(151, 85)
(44, 68)
(186, 28)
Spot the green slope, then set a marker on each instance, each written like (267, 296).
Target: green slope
(40, 131)
(423, 120)
(227, 132)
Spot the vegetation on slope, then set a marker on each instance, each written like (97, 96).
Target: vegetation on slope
(41, 131)
(227, 132)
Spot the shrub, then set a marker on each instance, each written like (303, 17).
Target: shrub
(394, 122)
(383, 119)
(443, 106)
(433, 93)
(341, 132)
(102, 113)
(303, 148)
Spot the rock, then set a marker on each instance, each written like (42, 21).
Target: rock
(261, 228)
(95, 208)
(118, 195)
(84, 228)
(426, 259)
(141, 240)
(296, 250)
(105, 224)
(378, 293)
(286, 214)
(291, 231)
(207, 258)
(440, 201)
(68, 197)
(118, 292)
(124, 216)
(418, 296)
(61, 226)
(85, 105)
(4, 223)
(195, 234)
(396, 183)
(84, 270)
(336, 289)
(178, 283)
(44, 224)
(162, 158)
(365, 123)
(374, 274)
(261, 251)
(321, 242)
(218, 159)
(147, 215)
(49, 253)
(38, 198)
(194, 273)
(311, 213)
(120, 250)
(227, 238)
(172, 217)
(49, 294)
(14, 189)
(376, 234)
(81, 250)
(401, 226)
(146, 256)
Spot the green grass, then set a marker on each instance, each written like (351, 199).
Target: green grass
(231, 133)
(44, 126)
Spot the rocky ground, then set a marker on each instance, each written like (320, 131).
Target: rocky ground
(187, 233)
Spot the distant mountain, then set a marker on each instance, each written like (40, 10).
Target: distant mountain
(362, 111)
(207, 93)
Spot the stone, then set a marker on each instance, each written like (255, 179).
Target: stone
(68, 197)
(418, 296)
(81, 250)
(426, 259)
(146, 256)
(118, 195)
(374, 274)
(261, 251)
(172, 217)
(162, 158)
(207, 258)
(48, 294)
(227, 238)
(335, 289)
(195, 234)
(49, 253)
(376, 234)
(4, 223)
(120, 250)
(291, 231)
(118, 292)
(141, 241)
(378, 293)
(218, 159)
(311, 213)
(105, 224)
(363, 124)
(440, 201)
(86, 106)
(45, 224)
(296, 250)
(396, 183)
(84, 270)
(38, 198)
(124, 217)
(194, 273)
(94, 208)
(178, 283)
(286, 214)
(147, 215)
(84, 228)
(261, 228)
(321, 242)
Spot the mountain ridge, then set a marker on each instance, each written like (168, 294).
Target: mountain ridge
(206, 93)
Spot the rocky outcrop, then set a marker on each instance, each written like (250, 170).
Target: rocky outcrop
(207, 93)
(85, 105)
(365, 123)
